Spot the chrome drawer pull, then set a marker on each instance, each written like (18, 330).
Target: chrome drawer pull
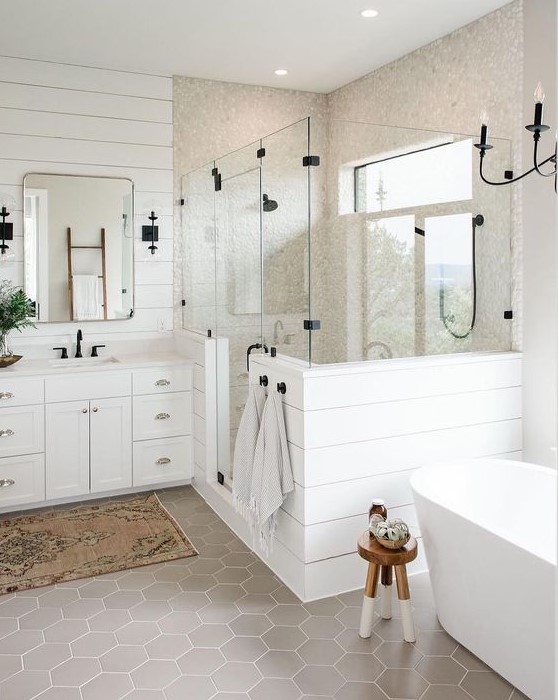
(95, 409)
(163, 460)
(162, 382)
(5, 483)
(162, 416)
(6, 433)
(6, 395)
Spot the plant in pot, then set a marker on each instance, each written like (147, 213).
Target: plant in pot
(16, 312)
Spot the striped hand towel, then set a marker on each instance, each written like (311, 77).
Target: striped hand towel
(272, 477)
(244, 449)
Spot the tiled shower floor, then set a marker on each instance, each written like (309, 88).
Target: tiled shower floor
(222, 626)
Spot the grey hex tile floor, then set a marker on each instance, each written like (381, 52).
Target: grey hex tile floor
(221, 626)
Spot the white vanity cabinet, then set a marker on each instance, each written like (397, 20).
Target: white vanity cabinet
(89, 440)
(66, 436)
(88, 447)
(163, 442)
(22, 463)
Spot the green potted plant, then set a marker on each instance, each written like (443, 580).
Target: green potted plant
(16, 312)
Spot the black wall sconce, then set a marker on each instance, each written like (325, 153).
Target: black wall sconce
(536, 128)
(6, 231)
(151, 233)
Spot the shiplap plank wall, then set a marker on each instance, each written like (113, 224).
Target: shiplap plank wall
(357, 434)
(76, 120)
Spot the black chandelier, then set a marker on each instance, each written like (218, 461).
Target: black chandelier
(536, 128)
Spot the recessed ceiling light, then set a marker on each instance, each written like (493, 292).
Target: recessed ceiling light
(369, 13)
(281, 71)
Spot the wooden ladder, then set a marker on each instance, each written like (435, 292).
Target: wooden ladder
(103, 276)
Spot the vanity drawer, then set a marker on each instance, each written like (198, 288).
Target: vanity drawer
(22, 480)
(22, 430)
(162, 416)
(82, 387)
(21, 392)
(159, 461)
(162, 381)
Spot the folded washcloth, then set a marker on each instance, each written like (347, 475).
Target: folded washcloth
(244, 449)
(272, 477)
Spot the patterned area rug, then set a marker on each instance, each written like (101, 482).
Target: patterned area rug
(90, 540)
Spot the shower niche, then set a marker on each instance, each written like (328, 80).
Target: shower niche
(389, 239)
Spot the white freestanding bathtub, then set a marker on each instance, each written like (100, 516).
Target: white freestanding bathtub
(489, 533)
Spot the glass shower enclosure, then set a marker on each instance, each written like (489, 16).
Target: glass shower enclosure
(388, 239)
(247, 260)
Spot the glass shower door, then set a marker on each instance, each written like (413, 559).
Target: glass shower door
(238, 288)
(286, 241)
(198, 251)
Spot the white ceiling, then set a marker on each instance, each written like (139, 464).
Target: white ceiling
(323, 43)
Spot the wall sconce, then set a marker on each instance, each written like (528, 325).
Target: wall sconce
(151, 233)
(536, 128)
(6, 228)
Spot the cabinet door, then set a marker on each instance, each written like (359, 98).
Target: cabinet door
(67, 449)
(111, 444)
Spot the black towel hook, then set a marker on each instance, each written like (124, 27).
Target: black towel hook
(264, 381)
(282, 387)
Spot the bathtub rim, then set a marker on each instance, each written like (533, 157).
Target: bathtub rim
(421, 473)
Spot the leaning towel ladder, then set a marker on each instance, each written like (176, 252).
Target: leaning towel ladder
(103, 276)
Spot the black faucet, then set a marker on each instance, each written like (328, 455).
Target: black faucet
(78, 343)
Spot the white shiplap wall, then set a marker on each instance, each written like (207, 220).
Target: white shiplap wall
(57, 118)
(358, 431)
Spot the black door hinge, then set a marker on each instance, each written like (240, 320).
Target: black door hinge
(183, 302)
(217, 181)
(260, 153)
(312, 325)
(508, 315)
(310, 160)
(182, 201)
(220, 478)
(508, 174)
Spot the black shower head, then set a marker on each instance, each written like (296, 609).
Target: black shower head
(269, 204)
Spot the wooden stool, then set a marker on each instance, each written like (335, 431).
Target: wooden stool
(382, 560)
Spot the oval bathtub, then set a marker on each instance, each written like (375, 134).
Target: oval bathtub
(494, 580)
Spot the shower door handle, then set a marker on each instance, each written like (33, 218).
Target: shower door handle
(254, 346)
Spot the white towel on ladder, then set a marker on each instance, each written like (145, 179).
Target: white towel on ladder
(85, 290)
(272, 477)
(244, 449)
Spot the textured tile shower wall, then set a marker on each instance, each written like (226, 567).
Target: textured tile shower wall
(443, 86)
(214, 118)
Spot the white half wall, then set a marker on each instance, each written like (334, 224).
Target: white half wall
(357, 431)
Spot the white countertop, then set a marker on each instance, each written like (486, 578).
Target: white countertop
(109, 363)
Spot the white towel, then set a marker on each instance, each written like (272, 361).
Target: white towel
(86, 297)
(244, 449)
(272, 477)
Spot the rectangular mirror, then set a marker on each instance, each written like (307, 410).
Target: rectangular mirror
(79, 247)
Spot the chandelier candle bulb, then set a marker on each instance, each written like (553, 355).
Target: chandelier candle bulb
(539, 101)
(484, 128)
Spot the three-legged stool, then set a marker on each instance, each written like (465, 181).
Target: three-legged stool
(382, 561)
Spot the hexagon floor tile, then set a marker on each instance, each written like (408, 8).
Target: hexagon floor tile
(221, 626)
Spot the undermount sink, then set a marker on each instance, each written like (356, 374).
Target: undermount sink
(83, 361)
